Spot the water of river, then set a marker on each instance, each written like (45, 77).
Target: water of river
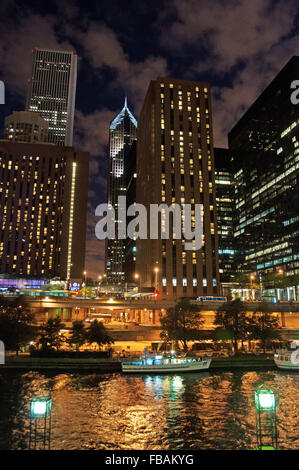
(208, 410)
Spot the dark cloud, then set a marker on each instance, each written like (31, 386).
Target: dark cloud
(248, 40)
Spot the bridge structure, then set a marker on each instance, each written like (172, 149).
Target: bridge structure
(148, 311)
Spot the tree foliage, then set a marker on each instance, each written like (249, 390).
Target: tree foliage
(235, 321)
(182, 323)
(97, 333)
(50, 336)
(264, 325)
(78, 334)
(16, 323)
(232, 317)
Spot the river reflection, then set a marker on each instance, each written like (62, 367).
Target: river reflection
(114, 411)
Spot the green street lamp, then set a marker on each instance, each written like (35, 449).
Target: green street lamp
(41, 407)
(266, 428)
(264, 398)
(40, 423)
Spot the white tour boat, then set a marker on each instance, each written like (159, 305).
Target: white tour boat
(287, 358)
(159, 364)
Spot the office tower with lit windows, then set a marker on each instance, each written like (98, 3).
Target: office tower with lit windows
(52, 91)
(265, 149)
(130, 244)
(175, 165)
(225, 209)
(43, 204)
(24, 126)
(123, 132)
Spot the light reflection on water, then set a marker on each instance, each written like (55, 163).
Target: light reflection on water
(113, 411)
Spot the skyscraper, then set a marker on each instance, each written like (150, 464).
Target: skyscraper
(52, 91)
(43, 203)
(24, 126)
(225, 211)
(175, 164)
(130, 244)
(123, 132)
(265, 148)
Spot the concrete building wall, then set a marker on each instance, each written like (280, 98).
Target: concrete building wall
(43, 204)
(175, 164)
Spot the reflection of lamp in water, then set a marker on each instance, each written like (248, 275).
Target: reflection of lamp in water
(177, 382)
(266, 429)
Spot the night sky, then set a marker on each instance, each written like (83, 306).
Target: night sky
(237, 46)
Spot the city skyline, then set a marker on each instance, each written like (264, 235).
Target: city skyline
(158, 40)
(149, 229)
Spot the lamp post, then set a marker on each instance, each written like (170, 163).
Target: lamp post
(84, 274)
(40, 422)
(281, 273)
(252, 277)
(266, 427)
(156, 269)
(137, 277)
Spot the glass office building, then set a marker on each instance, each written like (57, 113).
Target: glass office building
(224, 185)
(265, 153)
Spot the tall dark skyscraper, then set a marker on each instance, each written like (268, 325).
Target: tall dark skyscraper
(175, 165)
(123, 132)
(225, 211)
(52, 92)
(130, 244)
(43, 204)
(265, 148)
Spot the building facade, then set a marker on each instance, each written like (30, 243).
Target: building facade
(265, 150)
(43, 205)
(225, 210)
(175, 165)
(130, 244)
(123, 132)
(24, 126)
(52, 92)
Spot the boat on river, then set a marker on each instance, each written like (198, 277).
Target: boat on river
(287, 358)
(170, 363)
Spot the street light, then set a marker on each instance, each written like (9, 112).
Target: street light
(156, 269)
(40, 422)
(137, 277)
(84, 273)
(266, 428)
(264, 398)
(252, 277)
(40, 407)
